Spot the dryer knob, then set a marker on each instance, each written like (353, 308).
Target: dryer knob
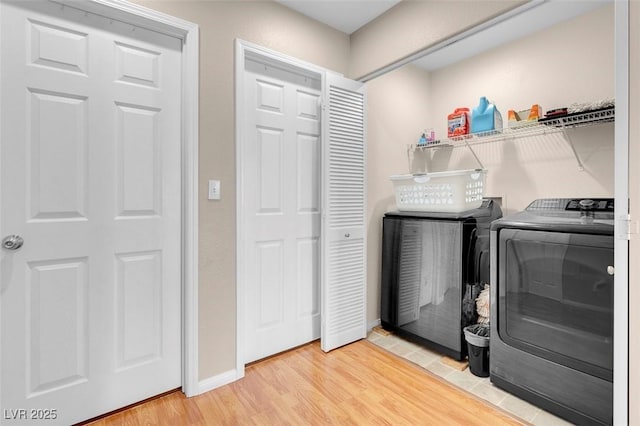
(586, 209)
(587, 204)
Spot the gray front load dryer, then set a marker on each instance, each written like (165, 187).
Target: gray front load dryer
(552, 307)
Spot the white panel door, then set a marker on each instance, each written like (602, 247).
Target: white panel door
(90, 179)
(343, 232)
(281, 205)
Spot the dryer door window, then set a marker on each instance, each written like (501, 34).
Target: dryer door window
(555, 297)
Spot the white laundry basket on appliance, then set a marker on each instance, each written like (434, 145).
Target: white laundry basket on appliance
(452, 191)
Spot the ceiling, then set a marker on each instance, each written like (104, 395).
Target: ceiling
(534, 16)
(346, 16)
(350, 15)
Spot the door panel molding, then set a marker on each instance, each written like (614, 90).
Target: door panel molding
(247, 55)
(188, 33)
(281, 112)
(289, 66)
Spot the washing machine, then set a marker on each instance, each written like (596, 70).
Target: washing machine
(552, 307)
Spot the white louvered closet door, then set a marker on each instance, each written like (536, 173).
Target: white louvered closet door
(344, 243)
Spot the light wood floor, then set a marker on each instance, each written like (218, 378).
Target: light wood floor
(359, 384)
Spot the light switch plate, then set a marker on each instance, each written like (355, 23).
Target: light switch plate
(214, 189)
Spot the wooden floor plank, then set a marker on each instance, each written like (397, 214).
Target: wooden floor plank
(359, 384)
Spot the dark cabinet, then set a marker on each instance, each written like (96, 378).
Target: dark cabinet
(427, 262)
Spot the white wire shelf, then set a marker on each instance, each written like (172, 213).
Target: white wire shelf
(542, 127)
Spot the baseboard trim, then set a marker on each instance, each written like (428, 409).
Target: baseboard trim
(215, 382)
(373, 324)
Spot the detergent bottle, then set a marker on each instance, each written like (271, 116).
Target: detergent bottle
(458, 123)
(485, 117)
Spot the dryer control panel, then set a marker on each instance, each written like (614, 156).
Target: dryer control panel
(572, 204)
(595, 204)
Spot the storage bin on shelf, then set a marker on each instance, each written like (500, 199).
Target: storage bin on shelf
(451, 191)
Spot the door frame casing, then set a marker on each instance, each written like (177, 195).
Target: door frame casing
(244, 49)
(621, 379)
(188, 33)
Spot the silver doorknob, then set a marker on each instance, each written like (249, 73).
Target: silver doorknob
(12, 242)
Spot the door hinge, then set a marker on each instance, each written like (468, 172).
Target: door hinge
(626, 227)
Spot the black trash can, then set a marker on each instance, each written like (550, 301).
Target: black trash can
(477, 337)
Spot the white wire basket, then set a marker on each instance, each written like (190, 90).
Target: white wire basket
(452, 191)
